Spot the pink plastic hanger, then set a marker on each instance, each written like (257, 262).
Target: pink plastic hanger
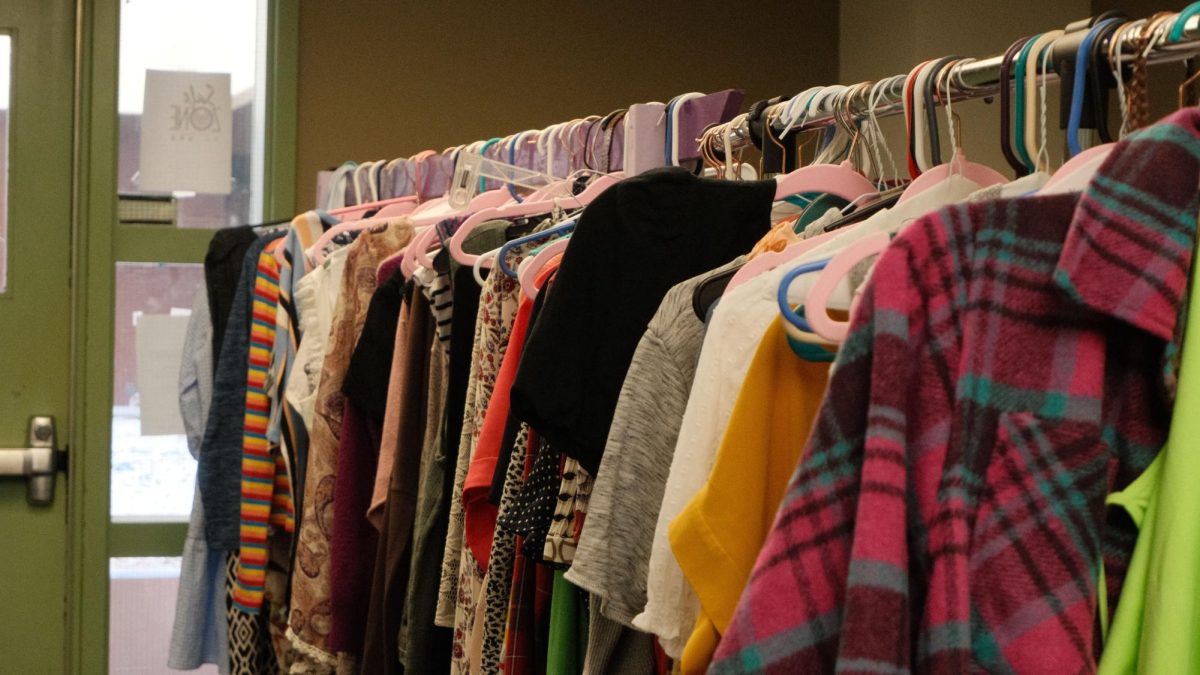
(421, 244)
(816, 304)
(316, 251)
(772, 259)
(981, 175)
(528, 273)
(354, 212)
(525, 209)
(1075, 175)
(399, 208)
(840, 180)
(389, 209)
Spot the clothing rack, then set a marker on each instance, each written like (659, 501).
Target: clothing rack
(974, 80)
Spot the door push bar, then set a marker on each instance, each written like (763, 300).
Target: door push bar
(36, 463)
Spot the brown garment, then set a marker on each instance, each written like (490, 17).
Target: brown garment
(309, 623)
(391, 422)
(381, 653)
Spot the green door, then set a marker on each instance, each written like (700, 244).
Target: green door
(131, 479)
(74, 573)
(37, 47)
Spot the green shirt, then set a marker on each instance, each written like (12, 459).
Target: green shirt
(1157, 624)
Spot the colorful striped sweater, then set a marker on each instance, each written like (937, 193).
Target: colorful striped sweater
(266, 489)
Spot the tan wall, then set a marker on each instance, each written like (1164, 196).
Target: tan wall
(388, 79)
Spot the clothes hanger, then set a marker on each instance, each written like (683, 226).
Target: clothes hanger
(373, 175)
(876, 139)
(1115, 61)
(418, 162)
(417, 251)
(316, 252)
(816, 319)
(886, 200)
(910, 117)
(1029, 139)
(360, 179)
(1006, 64)
(478, 266)
(593, 190)
(981, 175)
(1185, 86)
(546, 150)
(1020, 66)
(499, 210)
(336, 197)
(589, 149)
(577, 142)
(1101, 79)
(1180, 23)
(438, 204)
(673, 126)
(480, 203)
(527, 209)
(1077, 173)
(771, 260)
(510, 147)
(929, 93)
(614, 141)
(1082, 58)
(327, 221)
(507, 248)
(403, 204)
(422, 249)
(1152, 31)
(921, 125)
(395, 172)
(531, 267)
(841, 180)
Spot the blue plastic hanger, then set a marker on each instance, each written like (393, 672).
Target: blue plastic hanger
(502, 256)
(1082, 57)
(785, 307)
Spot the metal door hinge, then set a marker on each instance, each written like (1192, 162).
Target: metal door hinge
(36, 463)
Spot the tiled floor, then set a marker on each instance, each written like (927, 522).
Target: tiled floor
(141, 613)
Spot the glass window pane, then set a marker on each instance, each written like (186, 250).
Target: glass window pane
(141, 613)
(153, 473)
(203, 36)
(5, 88)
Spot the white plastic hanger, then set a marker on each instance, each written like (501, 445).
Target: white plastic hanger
(981, 175)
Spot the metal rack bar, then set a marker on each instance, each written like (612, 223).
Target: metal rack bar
(978, 79)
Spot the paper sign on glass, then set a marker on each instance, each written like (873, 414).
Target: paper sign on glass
(160, 340)
(187, 135)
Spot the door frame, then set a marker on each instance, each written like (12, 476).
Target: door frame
(97, 240)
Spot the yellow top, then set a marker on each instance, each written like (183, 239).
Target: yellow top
(717, 537)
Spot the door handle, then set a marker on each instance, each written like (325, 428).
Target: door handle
(36, 463)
